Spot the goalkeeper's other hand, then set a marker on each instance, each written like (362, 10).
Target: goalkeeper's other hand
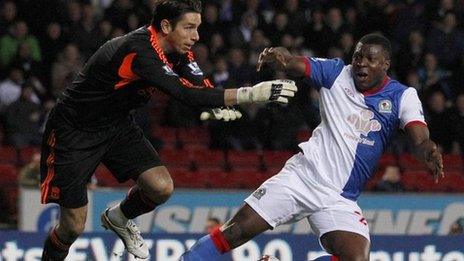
(270, 91)
(221, 114)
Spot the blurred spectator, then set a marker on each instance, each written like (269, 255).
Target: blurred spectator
(9, 43)
(69, 62)
(24, 60)
(432, 75)
(22, 119)
(119, 12)
(439, 121)
(211, 224)
(221, 75)
(346, 43)
(202, 57)
(258, 42)
(335, 25)
(211, 24)
(296, 18)
(240, 36)
(458, 126)
(375, 17)
(238, 67)
(29, 175)
(391, 180)
(278, 28)
(8, 12)
(86, 32)
(217, 46)
(410, 54)
(315, 33)
(456, 228)
(445, 41)
(412, 80)
(46, 109)
(10, 88)
(51, 43)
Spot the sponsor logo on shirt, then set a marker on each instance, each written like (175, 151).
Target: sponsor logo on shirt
(364, 122)
(385, 106)
(195, 69)
(168, 70)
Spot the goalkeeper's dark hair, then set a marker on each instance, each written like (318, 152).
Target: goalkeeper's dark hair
(172, 10)
(378, 39)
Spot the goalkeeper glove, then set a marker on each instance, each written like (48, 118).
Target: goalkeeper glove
(270, 91)
(224, 114)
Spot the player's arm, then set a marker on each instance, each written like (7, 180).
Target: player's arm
(319, 72)
(425, 150)
(412, 121)
(294, 65)
(159, 75)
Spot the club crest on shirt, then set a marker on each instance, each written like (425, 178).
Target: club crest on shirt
(169, 71)
(385, 106)
(259, 193)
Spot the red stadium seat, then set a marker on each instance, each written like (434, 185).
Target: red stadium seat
(168, 135)
(453, 163)
(207, 159)
(189, 179)
(276, 158)
(452, 182)
(387, 159)
(8, 175)
(8, 155)
(244, 159)
(419, 181)
(25, 154)
(408, 163)
(175, 158)
(194, 135)
(105, 178)
(303, 135)
(372, 182)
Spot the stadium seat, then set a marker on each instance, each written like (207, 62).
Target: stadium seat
(25, 154)
(189, 179)
(194, 135)
(205, 159)
(105, 178)
(175, 158)
(452, 182)
(408, 163)
(276, 158)
(453, 163)
(8, 175)
(244, 159)
(166, 134)
(303, 135)
(8, 155)
(372, 182)
(419, 181)
(387, 159)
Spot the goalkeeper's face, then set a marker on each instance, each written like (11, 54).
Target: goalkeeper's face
(370, 65)
(185, 32)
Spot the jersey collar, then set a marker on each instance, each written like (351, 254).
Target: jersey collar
(377, 88)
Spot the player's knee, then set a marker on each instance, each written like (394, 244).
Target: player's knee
(159, 187)
(72, 231)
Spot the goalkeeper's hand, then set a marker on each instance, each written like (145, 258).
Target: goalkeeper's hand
(221, 114)
(270, 91)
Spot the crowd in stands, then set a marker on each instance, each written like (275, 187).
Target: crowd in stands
(44, 43)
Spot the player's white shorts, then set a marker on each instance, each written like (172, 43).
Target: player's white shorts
(292, 195)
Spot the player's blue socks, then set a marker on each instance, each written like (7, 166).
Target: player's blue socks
(326, 258)
(209, 247)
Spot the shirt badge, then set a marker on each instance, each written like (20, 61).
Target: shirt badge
(385, 106)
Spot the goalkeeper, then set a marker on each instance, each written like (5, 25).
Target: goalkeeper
(92, 123)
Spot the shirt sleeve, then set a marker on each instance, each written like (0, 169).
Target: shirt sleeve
(410, 111)
(163, 77)
(323, 72)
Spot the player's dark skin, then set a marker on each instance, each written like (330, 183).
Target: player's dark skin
(370, 65)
